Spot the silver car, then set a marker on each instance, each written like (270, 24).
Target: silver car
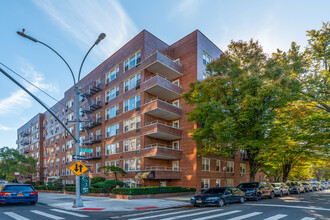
(281, 189)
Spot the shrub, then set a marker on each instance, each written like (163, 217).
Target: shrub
(70, 188)
(107, 185)
(97, 179)
(95, 190)
(38, 183)
(151, 190)
(41, 187)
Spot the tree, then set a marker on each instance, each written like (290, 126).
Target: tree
(113, 169)
(235, 106)
(12, 161)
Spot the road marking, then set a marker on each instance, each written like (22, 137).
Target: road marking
(291, 206)
(172, 213)
(15, 216)
(218, 215)
(46, 215)
(275, 217)
(198, 213)
(69, 213)
(142, 213)
(308, 218)
(245, 216)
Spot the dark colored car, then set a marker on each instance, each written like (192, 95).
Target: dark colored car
(18, 193)
(218, 196)
(296, 187)
(257, 190)
(281, 189)
(308, 187)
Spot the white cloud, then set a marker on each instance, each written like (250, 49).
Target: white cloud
(20, 100)
(4, 128)
(185, 7)
(85, 20)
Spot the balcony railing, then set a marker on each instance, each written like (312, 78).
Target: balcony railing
(93, 156)
(93, 123)
(162, 172)
(89, 108)
(25, 133)
(162, 109)
(161, 87)
(159, 63)
(162, 130)
(93, 140)
(161, 151)
(91, 89)
(25, 142)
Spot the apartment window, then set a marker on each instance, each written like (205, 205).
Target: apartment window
(242, 168)
(112, 149)
(132, 164)
(206, 59)
(81, 126)
(112, 112)
(132, 103)
(57, 161)
(112, 130)
(132, 183)
(98, 170)
(112, 93)
(230, 182)
(57, 150)
(230, 167)
(243, 154)
(132, 61)
(98, 135)
(112, 163)
(63, 148)
(132, 123)
(176, 124)
(63, 160)
(176, 103)
(132, 82)
(175, 165)
(69, 103)
(205, 164)
(205, 183)
(98, 151)
(217, 182)
(132, 144)
(112, 75)
(37, 145)
(218, 167)
(70, 116)
(176, 145)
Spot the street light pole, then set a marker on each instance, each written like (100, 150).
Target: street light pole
(78, 202)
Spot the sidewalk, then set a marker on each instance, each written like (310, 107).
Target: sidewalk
(63, 201)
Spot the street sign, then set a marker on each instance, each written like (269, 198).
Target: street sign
(78, 157)
(78, 168)
(86, 150)
(84, 184)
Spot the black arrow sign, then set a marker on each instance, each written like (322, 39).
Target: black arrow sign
(80, 166)
(77, 168)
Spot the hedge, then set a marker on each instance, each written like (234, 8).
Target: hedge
(151, 190)
(55, 188)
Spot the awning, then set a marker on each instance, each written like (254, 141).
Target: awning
(145, 175)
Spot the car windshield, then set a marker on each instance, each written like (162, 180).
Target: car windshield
(292, 184)
(214, 191)
(276, 184)
(314, 183)
(305, 184)
(248, 185)
(15, 188)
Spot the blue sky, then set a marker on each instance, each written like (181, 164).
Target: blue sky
(71, 27)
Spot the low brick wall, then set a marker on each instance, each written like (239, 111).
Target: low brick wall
(128, 197)
(73, 193)
(50, 191)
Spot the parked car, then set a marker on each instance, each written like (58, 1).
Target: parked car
(296, 187)
(281, 189)
(324, 186)
(316, 186)
(18, 193)
(257, 190)
(308, 187)
(218, 196)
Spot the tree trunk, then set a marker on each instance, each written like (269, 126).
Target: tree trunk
(115, 176)
(252, 176)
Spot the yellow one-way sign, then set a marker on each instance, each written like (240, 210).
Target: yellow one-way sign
(78, 168)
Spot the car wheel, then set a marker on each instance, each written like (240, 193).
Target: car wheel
(298, 191)
(281, 194)
(221, 202)
(33, 203)
(271, 195)
(196, 206)
(242, 200)
(258, 197)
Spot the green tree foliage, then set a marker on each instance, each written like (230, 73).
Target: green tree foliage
(235, 106)
(12, 161)
(113, 169)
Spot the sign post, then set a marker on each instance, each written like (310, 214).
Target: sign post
(84, 184)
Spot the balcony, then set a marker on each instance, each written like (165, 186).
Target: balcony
(92, 140)
(91, 89)
(164, 173)
(93, 123)
(25, 142)
(161, 151)
(162, 130)
(91, 156)
(159, 63)
(162, 109)
(162, 88)
(25, 133)
(88, 109)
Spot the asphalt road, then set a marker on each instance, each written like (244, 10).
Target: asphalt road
(307, 206)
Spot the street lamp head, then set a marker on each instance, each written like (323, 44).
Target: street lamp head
(26, 36)
(101, 37)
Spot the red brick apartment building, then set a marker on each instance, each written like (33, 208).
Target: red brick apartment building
(138, 119)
